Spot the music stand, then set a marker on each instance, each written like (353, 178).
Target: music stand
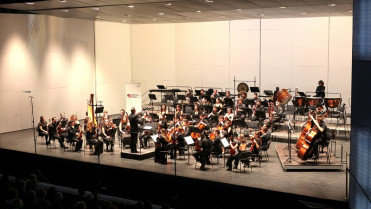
(169, 117)
(161, 87)
(99, 109)
(254, 89)
(302, 94)
(228, 102)
(268, 92)
(169, 97)
(222, 94)
(193, 99)
(181, 97)
(152, 97)
(189, 141)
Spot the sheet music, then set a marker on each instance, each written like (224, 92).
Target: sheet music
(225, 142)
(154, 137)
(147, 128)
(189, 140)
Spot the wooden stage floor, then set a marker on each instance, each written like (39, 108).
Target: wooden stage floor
(329, 185)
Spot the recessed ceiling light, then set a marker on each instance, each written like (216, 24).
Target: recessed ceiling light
(64, 10)
(238, 9)
(129, 15)
(160, 13)
(350, 11)
(124, 21)
(303, 13)
(283, 7)
(63, 1)
(168, 4)
(130, 6)
(30, 3)
(209, 1)
(97, 17)
(198, 11)
(95, 8)
(154, 19)
(332, 5)
(222, 16)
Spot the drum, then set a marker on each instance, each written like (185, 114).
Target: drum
(299, 101)
(283, 96)
(332, 102)
(314, 101)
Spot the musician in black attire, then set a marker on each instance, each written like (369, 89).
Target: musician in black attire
(241, 110)
(217, 144)
(63, 122)
(278, 115)
(162, 123)
(143, 138)
(92, 138)
(42, 128)
(320, 90)
(321, 138)
(162, 142)
(203, 155)
(213, 116)
(53, 132)
(259, 111)
(73, 136)
(134, 129)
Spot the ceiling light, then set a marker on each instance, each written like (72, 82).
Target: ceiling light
(154, 19)
(160, 13)
(350, 11)
(64, 10)
(130, 6)
(30, 3)
(168, 4)
(198, 11)
(238, 9)
(303, 13)
(63, 1)
(124, 21)
(129, 15)
(97, 17)
(283, 7)
(95, 8)
(332, 5)
(209, 1)
(222, 16)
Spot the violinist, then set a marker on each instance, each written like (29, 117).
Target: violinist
(62, 125)
(228, 121)
(217, 143)
(219, 105)
(124, 126)
(203, 155)
(42, 128)
(241, 146)
(73, 136)
(163, 110)
(106, 134)
(196, 112)
(203, 123)
(77, 123)
(53, 132)
(162, 123)
(161, 145)
(178, 112)
(92, 137)
(213, 116)
(322, 137)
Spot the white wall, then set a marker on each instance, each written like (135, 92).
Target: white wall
(289, 53)
(113, 63)
(51, 57)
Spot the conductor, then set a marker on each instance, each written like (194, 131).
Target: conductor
(134, 120)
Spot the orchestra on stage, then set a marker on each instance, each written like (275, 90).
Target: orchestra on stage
(218, 123)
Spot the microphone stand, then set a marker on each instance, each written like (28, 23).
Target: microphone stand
(33, 124)
(289, 131)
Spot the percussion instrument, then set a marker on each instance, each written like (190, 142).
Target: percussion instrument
(314, 101)
(283, 96)
(332, 102)
(242, 88)
(299, 101)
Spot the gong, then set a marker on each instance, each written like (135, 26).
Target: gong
(242, 87)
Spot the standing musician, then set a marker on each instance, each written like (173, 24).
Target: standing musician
(161, 145)
(53, 132)
(203, 155)
(73, 136)
(107, 134)
(92, 138)
(322, 137)
(320, 90)
(42, 128)
(134, 129)
(241, 146)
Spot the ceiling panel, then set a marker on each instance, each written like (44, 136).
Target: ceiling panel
(176, 11)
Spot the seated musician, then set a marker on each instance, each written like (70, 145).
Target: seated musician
(124, 127)
(275, 94)
(228, 120)
(217, 143)
(188, 94)
(143, 138)
(203, 154)
(322, 137)
(214, 96)
(62, 125)
(256, 97)
(106, 134)
(241, 147)
(196, 112)
(241, 111)
(219, 105)
(227, 100)
(202, 122)
(42, 128)
(278, 115)
(259, 111)
(163, 110)
(178, 112)
(213, 117)
(202, 94)
(92, 138)
(53, 132)
(162, 123)
(73, 136)
(161, 145)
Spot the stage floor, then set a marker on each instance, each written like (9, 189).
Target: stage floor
(269, 176)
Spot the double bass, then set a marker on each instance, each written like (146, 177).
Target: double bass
(306, 148)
